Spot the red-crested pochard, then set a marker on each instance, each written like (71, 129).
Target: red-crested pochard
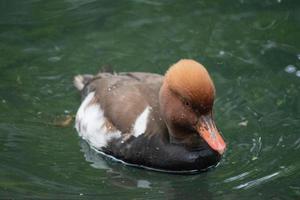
(159, 122)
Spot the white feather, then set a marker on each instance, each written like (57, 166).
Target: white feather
(140, 124)
(90, 124)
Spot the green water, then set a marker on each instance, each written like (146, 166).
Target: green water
(251, 48)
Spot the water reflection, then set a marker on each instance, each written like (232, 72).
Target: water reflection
(164, 185)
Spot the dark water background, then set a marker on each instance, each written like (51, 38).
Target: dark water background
(251, 48)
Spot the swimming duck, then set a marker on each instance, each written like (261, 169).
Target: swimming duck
(163, 123)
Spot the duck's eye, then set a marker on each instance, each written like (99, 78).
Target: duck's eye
(186, 103)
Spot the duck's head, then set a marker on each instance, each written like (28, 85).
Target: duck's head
(186, 101)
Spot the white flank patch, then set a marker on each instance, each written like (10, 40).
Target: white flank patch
(140, 124)
(90, 124)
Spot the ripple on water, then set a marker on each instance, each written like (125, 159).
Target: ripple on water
(290, 69)
(256, 182)
(54, 77)
(54, 59)
(297, 143)
(143, 184)
(237, 177)
(284, 171)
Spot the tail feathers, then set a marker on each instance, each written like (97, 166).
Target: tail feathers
(81, 80)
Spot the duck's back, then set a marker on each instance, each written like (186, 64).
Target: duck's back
(118, 105)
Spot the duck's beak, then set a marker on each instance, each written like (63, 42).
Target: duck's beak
(207, 130)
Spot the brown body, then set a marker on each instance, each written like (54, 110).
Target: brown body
(125, 95)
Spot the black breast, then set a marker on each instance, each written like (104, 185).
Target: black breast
(157, 153)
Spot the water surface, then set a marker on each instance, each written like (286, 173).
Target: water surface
(251, 49)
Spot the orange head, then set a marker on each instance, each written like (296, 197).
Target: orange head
(186, 101)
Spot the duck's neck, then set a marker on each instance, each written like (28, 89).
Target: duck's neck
(163, 94)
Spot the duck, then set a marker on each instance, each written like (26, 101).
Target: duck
(158, 122)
